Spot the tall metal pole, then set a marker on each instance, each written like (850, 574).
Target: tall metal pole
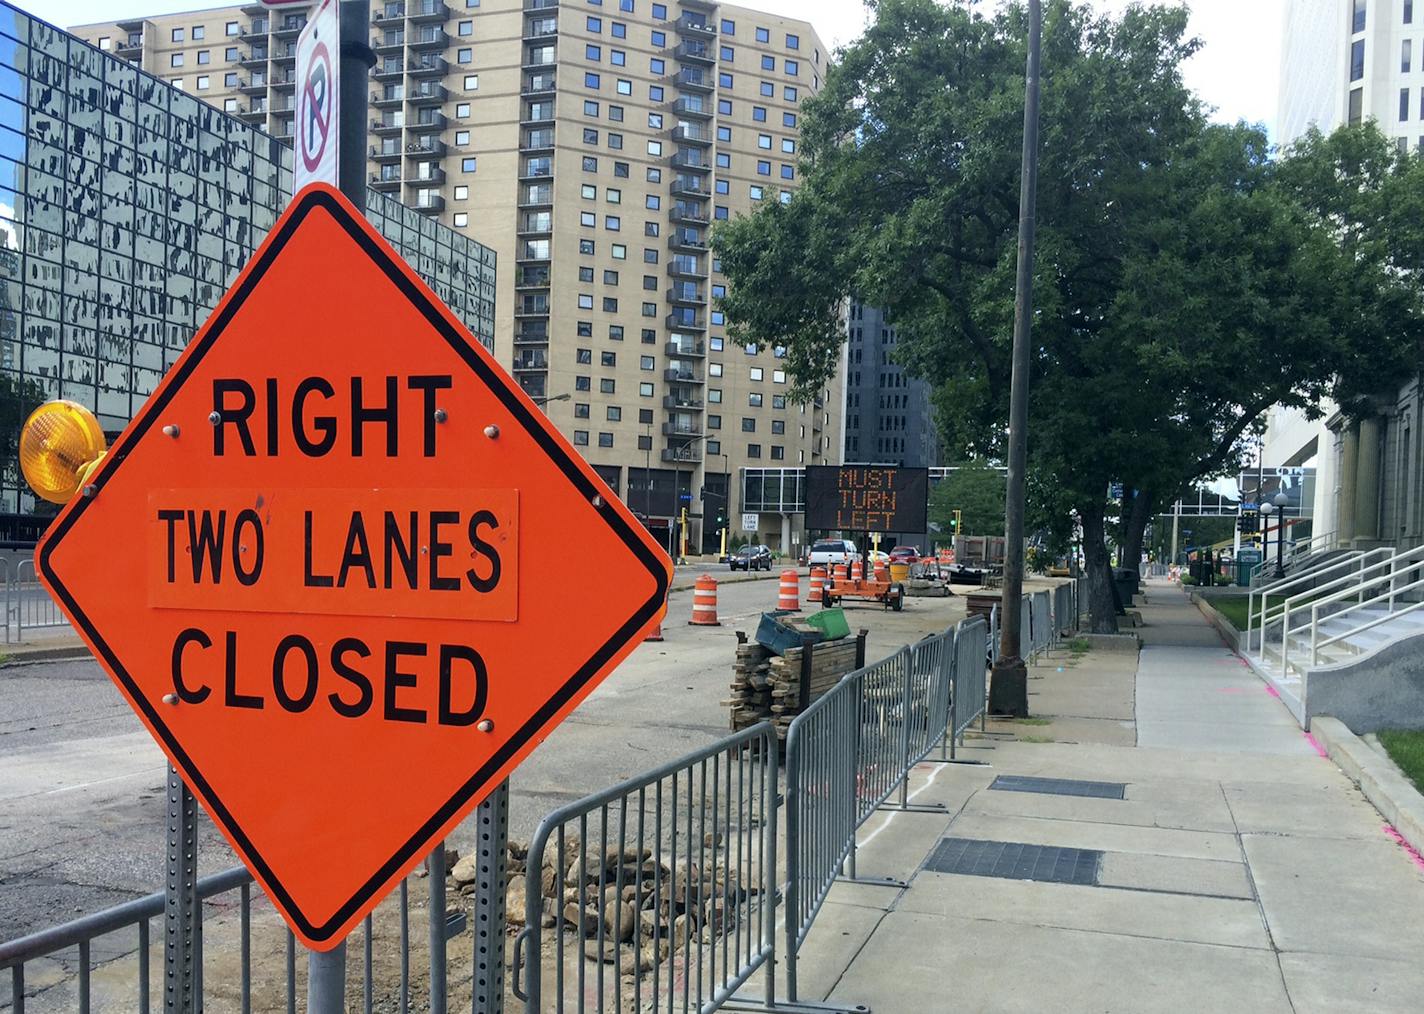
(182, 978)
(326, 970)
(1008, 693)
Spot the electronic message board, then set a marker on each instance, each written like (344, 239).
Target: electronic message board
(866, 498)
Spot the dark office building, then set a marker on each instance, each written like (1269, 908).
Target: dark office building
(888, 418)
(126, 209)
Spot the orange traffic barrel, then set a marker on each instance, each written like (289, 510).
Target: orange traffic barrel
(656, 634)
(817, 583)
(789, 598)
(855, 570)
(839, 572)
(704, 602)
(881, 574)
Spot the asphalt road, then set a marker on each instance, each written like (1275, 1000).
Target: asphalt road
(83, 791)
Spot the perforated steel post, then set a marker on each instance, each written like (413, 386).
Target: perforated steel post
(180, 899)
(492, 830)
(436, 866)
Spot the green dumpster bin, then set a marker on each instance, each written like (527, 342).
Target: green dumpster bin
(831, 622)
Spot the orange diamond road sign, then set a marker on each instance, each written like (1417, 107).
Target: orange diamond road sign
(330, 565)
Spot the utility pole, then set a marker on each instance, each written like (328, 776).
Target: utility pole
(1008, 691)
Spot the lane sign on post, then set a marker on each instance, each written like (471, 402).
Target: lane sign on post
(318, 98)
(749, 522)
(324, 566)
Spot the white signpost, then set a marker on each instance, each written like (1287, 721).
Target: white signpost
(749, 522)
(318, 49)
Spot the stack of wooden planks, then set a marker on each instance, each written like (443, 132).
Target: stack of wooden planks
(777, 688)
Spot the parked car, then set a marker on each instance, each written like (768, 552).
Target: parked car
(904, 553)
(830, 551)
(750, 558)
(877, 556)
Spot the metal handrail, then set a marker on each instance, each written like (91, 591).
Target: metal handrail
(1356, 588)
(1305, 548)
(1291, 581)
(1315, 645)
(1347, 588)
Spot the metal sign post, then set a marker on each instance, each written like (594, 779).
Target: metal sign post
(182, 961)
(492, 835)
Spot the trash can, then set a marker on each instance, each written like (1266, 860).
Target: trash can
(1126, 581)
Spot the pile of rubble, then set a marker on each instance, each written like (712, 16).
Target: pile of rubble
(649, 909)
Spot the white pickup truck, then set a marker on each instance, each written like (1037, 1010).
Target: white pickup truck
(831, 551)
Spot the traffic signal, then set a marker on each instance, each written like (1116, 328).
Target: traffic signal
(1248, 524)
(954, 522)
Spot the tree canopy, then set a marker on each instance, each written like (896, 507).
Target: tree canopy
(976, 490)
(1187, 277)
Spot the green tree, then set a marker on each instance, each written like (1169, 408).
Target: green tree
(976, 490)
(1182, 283)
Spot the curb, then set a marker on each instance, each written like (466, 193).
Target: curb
(769, 576)
(1223, 626)
(58, 653)
(1382, 783)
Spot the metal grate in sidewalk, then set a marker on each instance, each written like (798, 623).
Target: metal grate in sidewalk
(1010, 860)
(1059, 786)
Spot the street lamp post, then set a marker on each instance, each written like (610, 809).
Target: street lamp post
(1280, 500)
(1267, 509)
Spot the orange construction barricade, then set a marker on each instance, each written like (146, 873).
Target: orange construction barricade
(789, 598)
(704, 602)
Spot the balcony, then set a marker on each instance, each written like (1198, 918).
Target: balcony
(389, 69)
(689, 295)
(288, 55)
(688, 214)
(259, 27)
(537, 169)
(686, 133)
(535, 223)
(290, 28)
(539, 29)
(430, 119)
(386, 152)
(695, 27)
(536, 85)
(256, 114)
(284, 80)
(433, 176)
(531, 359)
(532, 278)
(427, 11)
(682, 402)
(533, 332)
(426, 149)
(254, 85)
(694, 52)
(254, 58)
(692, 452)
(687, 239)
(692, 105)
(129, 47)
(685, 430)
(387, 126)
(676, 323)
(705, 5)
(693, 161)
(428, 38)
(386, 183)
(536, 197)
(391, 16)
(537, 140)
(541, 5)
(687, 350)
(429, 203)
(693, 79)
(390, 42)
(690, 186)
(682, 266)
(428, 93)
(389, 99)
(674, 375)
(428, 66)
(531, 308)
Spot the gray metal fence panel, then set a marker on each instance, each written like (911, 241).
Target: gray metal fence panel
(971, 684)
(1039, 609)
(667, 882)
(27, 605)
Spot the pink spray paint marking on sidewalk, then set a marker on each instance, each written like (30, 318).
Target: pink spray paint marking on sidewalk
(1315, 743)
(1409, 849)
(1272, 691)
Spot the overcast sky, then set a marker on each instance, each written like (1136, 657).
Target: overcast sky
(1235, 72)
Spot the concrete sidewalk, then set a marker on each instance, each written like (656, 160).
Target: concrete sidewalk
(1239, 870)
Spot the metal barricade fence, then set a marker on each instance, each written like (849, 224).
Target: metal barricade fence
(222, 892)
(28, 605)
(1039, 609)
(970, 695)
(665, 884)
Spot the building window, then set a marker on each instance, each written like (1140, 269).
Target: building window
(655, 149)
(768, 63)
(764, 141)
(714, 395)
(724, 160)
(724, 80)
(625, 87)
(199, 33)
(588, 192)
(205, 57)
(1357, 21)
(714, 369)
(590, 136)
(594, 24)
(230, 80)
(610, 304)
(763, 168)
(768, 89)
(580, 438)
(590, 164)
(605, 440)
(647, 363)
(580, 410)
(464, 55)
(586, 275)
(791, 67)
(612, 223)
(724, 134)
(655, 93)
(466, 29)
(229, 105)
(588, 219)
(788, 172)
(754, 400)
(177, 35)
(586, 246)
(763, 35)
(230, 28)
(757, 373)
(789, 93)
(585, 301)
(618, 58)
(615, 141)
(608, 358)
(1403, 105)
(620, 252)
(1357, 99)
(583, 384)
(619, 30)
(592, 52)
(1357, 60)
(175, 59)
(793, 41)
(462, 193)
(778, 426)
(788, 146)
(722, 187)
(645, 390)
(472, 83)
(467, 165)
(727, 54)
(230, 54)
(748, 424)
(202, 82)
(590, 80)
(615, 332)
(462, 137)
(585, 329)
(753, 450)
(1404, 55)
(1409, 12)
(583, 356)
(650, 309)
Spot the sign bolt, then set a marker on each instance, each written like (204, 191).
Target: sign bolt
(441, 415)
(90, 490)
(170, 698)
(485, 725)
(215, 417)
(492, 431)
(171, 430)
(597, 500)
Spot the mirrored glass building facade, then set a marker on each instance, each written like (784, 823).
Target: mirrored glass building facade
(126, 209)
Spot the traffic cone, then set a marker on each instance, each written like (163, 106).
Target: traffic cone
(656, 634)
(818, 583)
(790, 597)
(704, 603)
(881, 573)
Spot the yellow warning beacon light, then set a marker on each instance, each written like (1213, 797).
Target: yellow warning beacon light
(60, 444)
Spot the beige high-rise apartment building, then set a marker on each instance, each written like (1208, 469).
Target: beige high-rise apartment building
(593, 144)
